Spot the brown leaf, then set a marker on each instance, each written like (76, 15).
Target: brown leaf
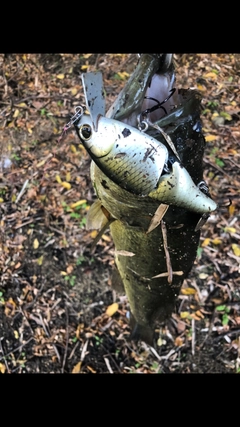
(77, 368)
(112, 309)
(158, 216)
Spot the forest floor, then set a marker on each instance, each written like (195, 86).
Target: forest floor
(58, 311)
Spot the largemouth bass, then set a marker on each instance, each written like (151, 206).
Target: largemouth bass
(163, 254)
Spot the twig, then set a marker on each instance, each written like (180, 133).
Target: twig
(67, 340)
(22, 191)
(97, 60)
(108, 365)
(160, 358)
(99, 235)
(73, 350)
(168, 260)
(222, 335)
(84, 351)
(30, 304)
(24, 315)
(209, 330)
(216, 167)
(16, 349)
(193, 337)
(174, 273)
(112, 359)
(5, 360)
(47, 333)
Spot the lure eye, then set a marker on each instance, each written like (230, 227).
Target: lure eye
(85, 132)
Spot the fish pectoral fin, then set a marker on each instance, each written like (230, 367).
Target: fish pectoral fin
(101, 232)
(140, 332)
(116, 280)
(96, 218)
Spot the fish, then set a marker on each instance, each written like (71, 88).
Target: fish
(161, 256)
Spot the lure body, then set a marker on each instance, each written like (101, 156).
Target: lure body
(128, 156)
(135, 161)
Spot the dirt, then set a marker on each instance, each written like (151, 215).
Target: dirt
(58, 311)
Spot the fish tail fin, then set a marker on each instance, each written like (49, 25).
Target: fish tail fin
(140, 332)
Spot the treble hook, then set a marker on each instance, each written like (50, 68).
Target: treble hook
(159, 104)
(79, 110)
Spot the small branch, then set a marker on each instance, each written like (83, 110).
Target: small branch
(22, 190)
(16, 349)
(168, 260)
(4, 357)
(108, 365)
(67, 340)
(193, 337)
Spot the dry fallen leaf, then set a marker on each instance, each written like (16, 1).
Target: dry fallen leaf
(35, 243)
(74, 91)
(206, 242)
(2, 368)
(79, 203)
(77, 368)
(158, 216)
(68, 176)
(112, 309)
(210, 138)
(58, 179)
(230, 230)
(178, 341)
(40, 260)
(10, 307)
(236, 249)
(66, 185)
(203, 276)
(188, 291)
(210, 75)
(231, 210)
(184, 314)
(217, 241)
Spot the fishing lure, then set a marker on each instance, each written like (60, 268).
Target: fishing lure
(128, 156)
(139, 163)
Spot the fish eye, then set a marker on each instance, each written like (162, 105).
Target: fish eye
(85, 132)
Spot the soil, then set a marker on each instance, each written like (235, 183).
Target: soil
(58, 310)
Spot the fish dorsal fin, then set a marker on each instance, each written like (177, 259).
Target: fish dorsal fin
(96, 219)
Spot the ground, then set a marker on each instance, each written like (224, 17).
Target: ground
(58, 311)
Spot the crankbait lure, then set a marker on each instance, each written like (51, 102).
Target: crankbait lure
(139, 163)
(128, 156)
